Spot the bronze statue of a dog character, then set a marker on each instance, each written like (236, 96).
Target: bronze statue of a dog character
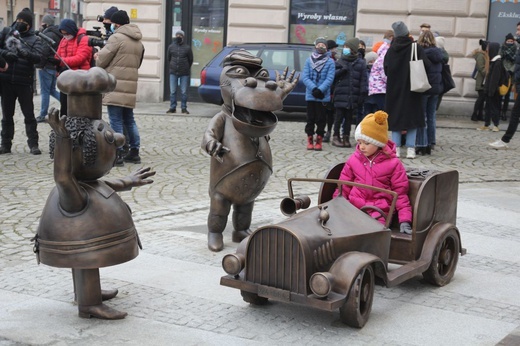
(85, 225)
(237, 139)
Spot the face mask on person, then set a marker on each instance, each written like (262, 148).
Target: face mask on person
(346, 51)
(21, 27)
(321, 50)
(113, 27)
(44, 26)
(361, 51)
(509, 44)
(107, 27)
(178, 39)
(68, 37)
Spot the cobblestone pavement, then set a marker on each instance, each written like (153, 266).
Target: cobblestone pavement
(171, 291)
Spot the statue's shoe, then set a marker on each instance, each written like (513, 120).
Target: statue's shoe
(100, 311)
(215, 242)
(238, 236)
(108, 294)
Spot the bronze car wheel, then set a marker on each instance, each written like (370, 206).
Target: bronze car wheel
(253, 298)
(444, 259)
(357, 308)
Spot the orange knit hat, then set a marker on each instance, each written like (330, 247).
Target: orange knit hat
(373, 129)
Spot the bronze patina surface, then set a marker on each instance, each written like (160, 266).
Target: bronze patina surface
(237, 138)
(85, 225)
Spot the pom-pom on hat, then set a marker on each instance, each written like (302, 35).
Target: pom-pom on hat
(26, 16)
(373, 129)
(48, 19)
(120, 17)
(69, 26)
(400, 29)
(110, 12)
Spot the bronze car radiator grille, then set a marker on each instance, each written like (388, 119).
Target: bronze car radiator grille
(275, 258)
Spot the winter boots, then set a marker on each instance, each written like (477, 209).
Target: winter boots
(310, 143)
(318, 146)
(133, 156)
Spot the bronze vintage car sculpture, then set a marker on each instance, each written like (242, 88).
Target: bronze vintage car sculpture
(237, 138)
(331, 256)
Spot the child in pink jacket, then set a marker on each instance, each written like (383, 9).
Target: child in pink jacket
(374, 163)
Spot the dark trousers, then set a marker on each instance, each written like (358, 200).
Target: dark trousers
(316, 118)
(513, 122)
(329, 111)
(344, 116)
(478, 109)
(505, 98)
(492, 109)
(24, 94)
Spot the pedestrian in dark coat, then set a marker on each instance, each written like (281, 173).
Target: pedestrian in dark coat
(426, 135)
(481, 62)
(404, 107)
(350, 90)
(21, 48)
(180, 57)
(491, 85)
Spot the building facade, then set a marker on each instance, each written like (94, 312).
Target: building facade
(211, 24)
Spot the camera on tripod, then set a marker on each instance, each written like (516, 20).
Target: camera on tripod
(96, 38)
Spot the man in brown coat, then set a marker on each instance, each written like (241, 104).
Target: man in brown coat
(122, 56)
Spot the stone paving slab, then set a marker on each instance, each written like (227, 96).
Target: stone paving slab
(171, 290)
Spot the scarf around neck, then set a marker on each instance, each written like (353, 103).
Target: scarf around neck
(318, 60)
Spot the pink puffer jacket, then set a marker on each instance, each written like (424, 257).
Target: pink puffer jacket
(385, 171)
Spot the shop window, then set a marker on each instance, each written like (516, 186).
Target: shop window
(332, 19)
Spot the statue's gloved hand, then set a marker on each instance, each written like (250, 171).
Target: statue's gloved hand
(216, 149)
(57, 122)
(139, 177)
(286, 83)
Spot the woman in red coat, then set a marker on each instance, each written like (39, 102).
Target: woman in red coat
(73, 53)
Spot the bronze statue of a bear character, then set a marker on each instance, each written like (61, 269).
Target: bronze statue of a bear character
(85, 225)
(237, 139)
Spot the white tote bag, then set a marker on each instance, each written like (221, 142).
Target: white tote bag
(418, 77)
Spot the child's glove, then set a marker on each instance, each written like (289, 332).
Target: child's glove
(406, 228)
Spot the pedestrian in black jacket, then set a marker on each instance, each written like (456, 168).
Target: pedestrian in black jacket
(21, 48)
(47, 65)
(350, 90)
(180, 58)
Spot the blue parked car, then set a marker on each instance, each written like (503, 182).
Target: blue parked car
(275, 56)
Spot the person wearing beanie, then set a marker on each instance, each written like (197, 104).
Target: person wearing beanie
(350, 90)
(121, 57)
(479, 75)
(73, 53)
(107, 20)
(47, 66)
(21, 53)
(507, 52)
(180, 58)
(404, 107)
(374, 163)
(317, 75)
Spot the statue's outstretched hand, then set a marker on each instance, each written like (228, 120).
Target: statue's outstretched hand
(286, 82)
(57, 122)
(217, 150)
(140, 177)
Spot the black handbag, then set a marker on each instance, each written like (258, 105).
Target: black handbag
(447, 80)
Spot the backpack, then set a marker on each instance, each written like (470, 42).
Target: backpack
(505, 81)
(92, 60)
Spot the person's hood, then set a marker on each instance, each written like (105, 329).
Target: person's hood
(401, 43)
(130, 30)
(493, 49)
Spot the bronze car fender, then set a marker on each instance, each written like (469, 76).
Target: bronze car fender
(348, 266)
(436, 233)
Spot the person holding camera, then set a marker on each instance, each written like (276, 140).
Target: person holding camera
(47, 66)
(122, 56)
(107, 22)
(73, 53)
(21, 49)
